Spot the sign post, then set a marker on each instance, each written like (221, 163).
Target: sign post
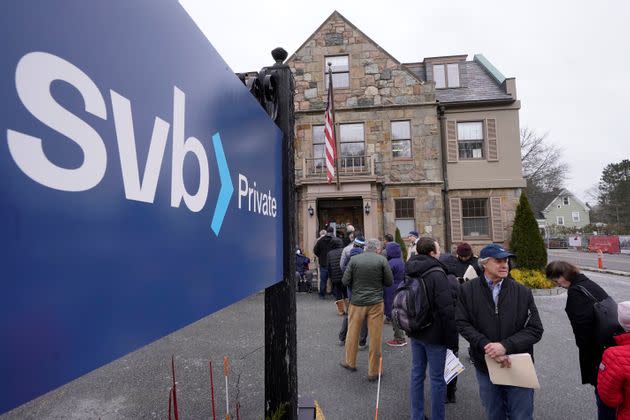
(280, 306)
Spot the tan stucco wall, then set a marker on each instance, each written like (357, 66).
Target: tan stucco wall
(507, 171)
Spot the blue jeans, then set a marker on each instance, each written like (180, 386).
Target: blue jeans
(503, 402)
(323, 279)
(435, 355)
(604, 412)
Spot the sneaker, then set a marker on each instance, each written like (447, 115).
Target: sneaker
(362, 346)
(341, 343)
(387, 321)
(396, 343)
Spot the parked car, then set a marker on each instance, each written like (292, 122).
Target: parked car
(557, 243)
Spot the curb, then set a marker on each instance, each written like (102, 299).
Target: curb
(548, 292)
(606, 271)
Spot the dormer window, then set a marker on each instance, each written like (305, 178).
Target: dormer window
(446, 75)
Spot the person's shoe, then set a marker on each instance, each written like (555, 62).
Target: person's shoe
(341, 306)
(374, 378)
(387, 321)
(396, 343)
(362, 346)
(345, 366)
(342, 343)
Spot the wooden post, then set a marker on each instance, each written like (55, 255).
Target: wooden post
(280, 312)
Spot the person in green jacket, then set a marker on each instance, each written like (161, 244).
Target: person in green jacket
(367, 274)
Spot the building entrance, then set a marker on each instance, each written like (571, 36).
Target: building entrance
(340, 212)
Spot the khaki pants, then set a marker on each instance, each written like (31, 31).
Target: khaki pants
(374, 315)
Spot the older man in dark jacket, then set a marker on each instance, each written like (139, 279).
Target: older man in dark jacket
(499, 317)
(428, 346)
(321, 250)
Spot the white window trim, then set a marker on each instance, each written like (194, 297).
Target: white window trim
(568, 201)
(560, 221)
(573, 216)
(446, 84)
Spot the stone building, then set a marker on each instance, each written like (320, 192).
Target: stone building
(431, 146)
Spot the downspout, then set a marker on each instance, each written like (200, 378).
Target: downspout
(447, 213)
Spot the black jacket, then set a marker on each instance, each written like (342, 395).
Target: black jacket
(514, 322)
(323, 247)
(580, 312)
(458, 267)
(442, 331)
(334, 269)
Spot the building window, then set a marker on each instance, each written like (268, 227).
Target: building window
(475, 219)
(319, 163)
(352, 144)
(470, 140)
(560, 220)
(401, 139)
(446, 75)
(404, 215)
(340, 71)
(565, 201)
(576, 216)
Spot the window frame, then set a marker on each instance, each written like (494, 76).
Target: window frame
(408, 217)
(483, 140)
(566, 198)
(343, 159)
(336, 72)
(481, 235)
(445, 70)
(573, 214)
(401, 140)
(560, 219)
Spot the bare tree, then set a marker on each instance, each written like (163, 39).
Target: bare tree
(543, 166)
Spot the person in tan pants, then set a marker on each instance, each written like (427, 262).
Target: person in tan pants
(367, 275)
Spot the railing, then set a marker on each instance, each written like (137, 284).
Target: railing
(348, 165)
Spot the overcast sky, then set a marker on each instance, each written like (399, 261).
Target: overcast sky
(571, 59)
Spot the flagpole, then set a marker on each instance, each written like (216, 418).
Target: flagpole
(332, 110)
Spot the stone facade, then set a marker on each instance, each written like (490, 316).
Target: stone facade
(380, 90)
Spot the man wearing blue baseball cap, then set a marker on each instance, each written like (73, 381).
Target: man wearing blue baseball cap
(498, 317)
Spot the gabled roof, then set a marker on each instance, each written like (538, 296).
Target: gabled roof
(541, 201)
(479, 80)
(370, 40)
(564, 192)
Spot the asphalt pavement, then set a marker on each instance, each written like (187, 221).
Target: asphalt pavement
(588, 260)
(137, 385)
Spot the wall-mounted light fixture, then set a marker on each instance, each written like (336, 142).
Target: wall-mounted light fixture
(311, 212)
(367, 208)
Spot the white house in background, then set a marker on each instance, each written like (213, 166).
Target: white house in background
(563, 208)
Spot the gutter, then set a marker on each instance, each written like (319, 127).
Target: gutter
(447, 214)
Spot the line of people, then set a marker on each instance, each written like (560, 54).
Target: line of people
(494, 313)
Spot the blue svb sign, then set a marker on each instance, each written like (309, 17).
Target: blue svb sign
(140, 184)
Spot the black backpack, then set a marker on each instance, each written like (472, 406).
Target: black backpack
(411, 310)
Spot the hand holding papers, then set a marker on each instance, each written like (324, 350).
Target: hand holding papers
(521, 373)
(470, 273)
(452, 366)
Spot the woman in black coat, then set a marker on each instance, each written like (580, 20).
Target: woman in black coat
(579, 309)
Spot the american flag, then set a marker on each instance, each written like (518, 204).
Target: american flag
(329, 133)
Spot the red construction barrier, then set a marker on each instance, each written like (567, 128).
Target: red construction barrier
(607, 244)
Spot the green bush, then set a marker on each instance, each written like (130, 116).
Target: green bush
(534, 279)
(527, 242)
(403, 246)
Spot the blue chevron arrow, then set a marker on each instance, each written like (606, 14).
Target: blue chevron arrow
(227, 188)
